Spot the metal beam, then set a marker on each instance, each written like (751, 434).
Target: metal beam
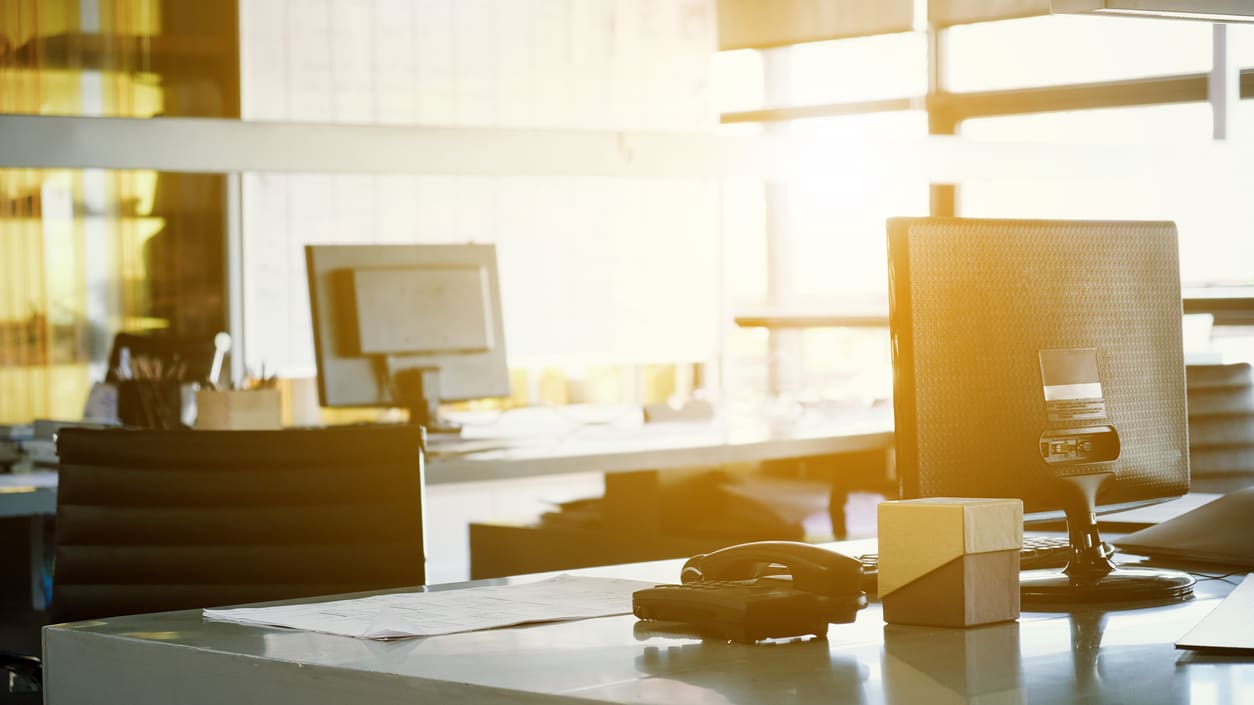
(946, 107)
(234, 259)
(227, 146)
(942, 197)
(802, 112)
(223, 146)
(1224, 84)
(1082, 96)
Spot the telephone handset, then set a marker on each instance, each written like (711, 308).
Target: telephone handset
(731, 593)
(813, 568)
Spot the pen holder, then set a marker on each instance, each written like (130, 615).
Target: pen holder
(251, 409)
(151, 403)
(947, 562)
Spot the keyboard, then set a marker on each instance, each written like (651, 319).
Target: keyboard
(1037, 552)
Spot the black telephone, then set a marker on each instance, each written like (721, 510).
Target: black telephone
(739, 593)
(813, 568)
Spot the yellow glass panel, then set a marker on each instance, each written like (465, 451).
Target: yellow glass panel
(125, 58)
(77, 263)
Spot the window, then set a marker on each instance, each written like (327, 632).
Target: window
(1188, 123)
(1149, 160)
(864, 68)
(1043, 51)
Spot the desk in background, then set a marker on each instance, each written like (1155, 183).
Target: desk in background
(28, 493)
(629, 452)
(32, 495)
(627, 446)
(593, 448)
(633, 525)
(1083, 655)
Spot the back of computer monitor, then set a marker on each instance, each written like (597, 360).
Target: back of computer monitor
(1028, 350)
(1043, 360)
(407, 326)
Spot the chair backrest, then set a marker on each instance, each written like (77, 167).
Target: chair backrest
(149, 521)
(1221, 426)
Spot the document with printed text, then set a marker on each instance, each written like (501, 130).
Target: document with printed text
(413, 614)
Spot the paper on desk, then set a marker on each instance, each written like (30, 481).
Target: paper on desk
(1230, 627)
(410, 614)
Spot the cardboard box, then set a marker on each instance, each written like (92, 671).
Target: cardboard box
(238, 410)
(950, 562)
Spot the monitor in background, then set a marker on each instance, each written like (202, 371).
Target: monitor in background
(407, 326)
(1043, 360)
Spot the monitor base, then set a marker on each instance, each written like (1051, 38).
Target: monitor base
(1049, 587)
(1091, 575)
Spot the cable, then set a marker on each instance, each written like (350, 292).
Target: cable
(1224, 577)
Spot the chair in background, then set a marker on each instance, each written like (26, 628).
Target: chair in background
(1221, 426)
(149, 521)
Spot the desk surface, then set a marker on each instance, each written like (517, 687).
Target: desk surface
(614, 447)
(588, 448)
(1087, 655)
(28, 493)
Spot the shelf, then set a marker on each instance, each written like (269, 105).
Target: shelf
(1230, 305)
(785, 318)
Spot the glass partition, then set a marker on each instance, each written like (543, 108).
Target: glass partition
(85, 254)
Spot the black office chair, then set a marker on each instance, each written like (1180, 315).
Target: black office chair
(1221, 426)
(150, 521)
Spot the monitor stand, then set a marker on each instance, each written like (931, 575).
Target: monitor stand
(1091, 576)
(418, 390)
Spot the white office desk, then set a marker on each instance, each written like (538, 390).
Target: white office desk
(1086, 655)
(28, 493)
(32, 495)
(630, 454)
(628, 445)
(530, 444)
(523, 450)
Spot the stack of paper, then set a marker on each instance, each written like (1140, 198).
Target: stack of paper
(411, 614)
(1229, 628)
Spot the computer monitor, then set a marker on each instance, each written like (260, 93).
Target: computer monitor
(407, 326)
(1043, 360)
